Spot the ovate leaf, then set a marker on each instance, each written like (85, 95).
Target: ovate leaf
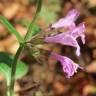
(21, 69)
(5, 67)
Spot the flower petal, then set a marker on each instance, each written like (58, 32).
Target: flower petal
(64, 39)
(69, 37)
(67, 21)
(79, 31)
(69, 67)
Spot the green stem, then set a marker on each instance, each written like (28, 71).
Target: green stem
(29, 32)
(13, 69)
(27, 37)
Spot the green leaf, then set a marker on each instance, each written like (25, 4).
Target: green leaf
(5, 67)
(21, 69)
(5, 70)
(10, 28)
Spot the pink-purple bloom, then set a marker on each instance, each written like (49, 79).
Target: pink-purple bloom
(67, 21)
(69, 37)
(69, 67)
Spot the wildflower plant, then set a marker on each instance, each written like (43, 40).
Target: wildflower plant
(68, 38)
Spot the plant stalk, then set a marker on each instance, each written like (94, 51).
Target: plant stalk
(13, 70)
(29, 34)
(27, 37)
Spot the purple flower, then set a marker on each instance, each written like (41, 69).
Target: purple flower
(79, 32)
(69, 67)
(67, 21)
(69, 37)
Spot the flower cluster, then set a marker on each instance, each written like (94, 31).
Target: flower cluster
(68, 38)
